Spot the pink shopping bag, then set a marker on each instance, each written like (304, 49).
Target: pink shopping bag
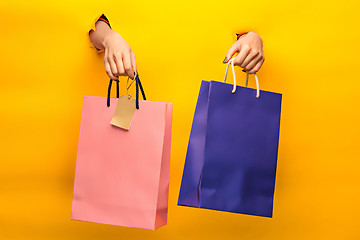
(122, 177)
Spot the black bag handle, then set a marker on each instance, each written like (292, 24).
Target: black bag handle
(138, 84)
(109, 91)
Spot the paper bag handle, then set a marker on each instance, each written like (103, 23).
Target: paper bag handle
(138, 84)
(231, 61)
(109, 91)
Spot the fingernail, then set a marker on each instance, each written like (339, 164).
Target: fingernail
(225, 60)
(243, 70)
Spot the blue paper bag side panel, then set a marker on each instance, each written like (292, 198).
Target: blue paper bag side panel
(241, 150)
(189, 190)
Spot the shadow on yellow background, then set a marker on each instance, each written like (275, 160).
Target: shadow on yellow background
(311, 51)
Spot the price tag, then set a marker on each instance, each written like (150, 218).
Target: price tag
(124, 112)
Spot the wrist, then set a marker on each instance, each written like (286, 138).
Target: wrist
(108, 36)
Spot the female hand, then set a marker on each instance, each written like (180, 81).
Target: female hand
(250, 52)
(119, 59)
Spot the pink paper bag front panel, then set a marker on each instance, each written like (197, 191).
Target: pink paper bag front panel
(117, 176)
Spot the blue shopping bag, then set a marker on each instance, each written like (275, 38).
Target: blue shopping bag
(232, 153)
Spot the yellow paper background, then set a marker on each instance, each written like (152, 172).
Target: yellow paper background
(311, 50)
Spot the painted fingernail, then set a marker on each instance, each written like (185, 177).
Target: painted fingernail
(225, 60)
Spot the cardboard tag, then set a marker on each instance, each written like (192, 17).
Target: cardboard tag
(124, 112)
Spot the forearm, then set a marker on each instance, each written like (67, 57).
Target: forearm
(98, 36)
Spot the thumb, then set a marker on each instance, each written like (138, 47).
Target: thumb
(233, 49)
